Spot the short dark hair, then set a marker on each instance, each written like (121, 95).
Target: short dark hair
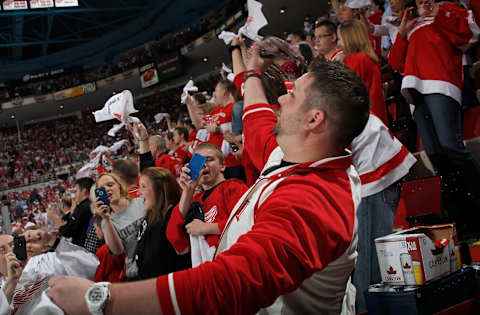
(343, 95)
(84, 183)
(331, 27)
(182, 131)
(231, 89)
(67, 202)
(381, 4)
(188, 122)
(127, 170)
(306, 52)
(199, 97)
(300, 34)
(169, 135)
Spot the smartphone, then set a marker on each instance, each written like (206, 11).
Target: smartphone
(101, 193)
(266, 54)
(196, 165)
(414, 12)
(20, 247)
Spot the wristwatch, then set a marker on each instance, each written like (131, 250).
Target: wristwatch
(97, 297)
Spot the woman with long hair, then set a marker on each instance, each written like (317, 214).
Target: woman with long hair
(120, 219)
(154, 254)
(360, 57)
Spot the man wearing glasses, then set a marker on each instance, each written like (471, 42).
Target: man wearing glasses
(326, 41)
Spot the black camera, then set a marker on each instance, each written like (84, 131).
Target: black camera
(195, 212)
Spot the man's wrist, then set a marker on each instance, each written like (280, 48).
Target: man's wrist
(259, 72)
(232, 48)
(251, 73)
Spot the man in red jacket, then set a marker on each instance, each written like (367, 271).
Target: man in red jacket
(428, 51)
(289, 244)
(158, 147)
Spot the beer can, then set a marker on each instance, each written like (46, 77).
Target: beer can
(407, 269)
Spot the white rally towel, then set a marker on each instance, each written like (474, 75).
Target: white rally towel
(230, 75)
(159, 117)
(200, 250)
(119, 107)
(227, 37)
(117, 145)
(357, 4)
(255, 21)
(189, 87)
(88, 168)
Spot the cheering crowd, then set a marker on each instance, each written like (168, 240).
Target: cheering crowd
(300, 173)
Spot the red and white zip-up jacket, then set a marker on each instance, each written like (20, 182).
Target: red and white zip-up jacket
(431, 57)
(379, 157)
(289, 244)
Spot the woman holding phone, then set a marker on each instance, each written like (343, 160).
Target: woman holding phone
(120, 220)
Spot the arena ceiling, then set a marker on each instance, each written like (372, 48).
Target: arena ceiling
(33, 33)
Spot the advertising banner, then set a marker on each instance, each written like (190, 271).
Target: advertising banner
(75, 91)
(148, 75)
(41, 4)
(66, 3)
(14, 5)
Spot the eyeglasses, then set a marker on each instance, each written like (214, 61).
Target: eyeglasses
(321, 36)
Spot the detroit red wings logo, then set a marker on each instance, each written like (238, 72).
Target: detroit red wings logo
(21, 297)
(118, 116)
(211, 214)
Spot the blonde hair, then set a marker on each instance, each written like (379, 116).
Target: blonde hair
(211, 146)
(355, 39)
(123, 190)
(207, 107)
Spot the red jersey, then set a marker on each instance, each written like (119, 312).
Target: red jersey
(181, 154)
(110, 267)
(216, 206)
(170, 163)
(369, 71)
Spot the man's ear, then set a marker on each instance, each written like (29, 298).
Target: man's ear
(315, 118)
(334, 37)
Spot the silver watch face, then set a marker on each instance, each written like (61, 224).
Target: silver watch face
(96, 295)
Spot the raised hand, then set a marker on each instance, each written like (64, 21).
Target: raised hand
(407, 24)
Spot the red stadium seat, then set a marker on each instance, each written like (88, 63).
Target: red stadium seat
(419, 196)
